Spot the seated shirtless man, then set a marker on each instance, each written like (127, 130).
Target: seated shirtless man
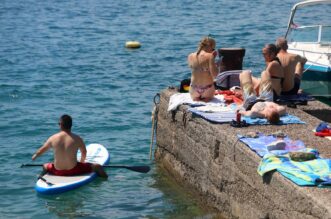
(65, 145)
(262, 106)
(292, 65)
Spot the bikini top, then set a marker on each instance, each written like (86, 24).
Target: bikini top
(276, 77)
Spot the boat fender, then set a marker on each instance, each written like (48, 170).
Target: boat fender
(132, 44)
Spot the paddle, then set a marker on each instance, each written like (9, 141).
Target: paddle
(43, 179)
(140, 169)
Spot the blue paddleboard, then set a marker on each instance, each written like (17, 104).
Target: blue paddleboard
(96, 153)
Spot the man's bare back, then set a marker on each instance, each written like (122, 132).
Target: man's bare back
(289, 62)
(65, 146)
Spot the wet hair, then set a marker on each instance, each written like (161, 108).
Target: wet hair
(271, 48)
(273, 118)
(66, 121)
(206, 41)
(281, 43)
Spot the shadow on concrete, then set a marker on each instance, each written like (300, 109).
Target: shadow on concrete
(268, 176)
(322, 114)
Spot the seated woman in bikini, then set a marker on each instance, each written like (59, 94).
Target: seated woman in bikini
(273, 72)
(204, 70)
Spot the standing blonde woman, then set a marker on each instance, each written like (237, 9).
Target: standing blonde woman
(204, 70)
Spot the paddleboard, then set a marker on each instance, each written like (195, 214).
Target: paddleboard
(51, 184)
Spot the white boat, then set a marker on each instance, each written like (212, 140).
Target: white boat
(312, 41)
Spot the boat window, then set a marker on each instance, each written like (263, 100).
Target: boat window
(326, 34)
(310, 34)
(310, 21)
(304, 34)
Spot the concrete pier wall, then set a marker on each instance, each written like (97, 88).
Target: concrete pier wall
(223, 171)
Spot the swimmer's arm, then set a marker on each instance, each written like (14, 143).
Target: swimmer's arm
(189, 60)
(82, 149)
(301, 59)
(47, 145)
(212, 66)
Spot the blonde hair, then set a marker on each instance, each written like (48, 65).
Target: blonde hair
(205, 42)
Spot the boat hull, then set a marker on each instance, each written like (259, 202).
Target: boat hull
(317, 83)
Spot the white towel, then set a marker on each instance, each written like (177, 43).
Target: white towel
(185, 98)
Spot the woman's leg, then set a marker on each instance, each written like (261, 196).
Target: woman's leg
(246, 82)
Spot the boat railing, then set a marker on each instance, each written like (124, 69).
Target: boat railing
(320, 34)
(309, 51)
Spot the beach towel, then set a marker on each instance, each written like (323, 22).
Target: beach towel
(215, 114)
(185, 98)
(227, 79)
(298, 99)
(316, 172)
(284, 120)
(259, 144)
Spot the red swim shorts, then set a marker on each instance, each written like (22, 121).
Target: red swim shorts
(80, 168)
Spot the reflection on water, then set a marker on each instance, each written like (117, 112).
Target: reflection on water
(191, 206)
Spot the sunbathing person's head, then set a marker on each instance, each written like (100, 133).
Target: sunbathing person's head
(269, 52)
(272, 116)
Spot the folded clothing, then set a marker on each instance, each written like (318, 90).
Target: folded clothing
(322, 126)
(323, 130)
(276, 145)
(297, 99)
(323, 133)
(300, 156)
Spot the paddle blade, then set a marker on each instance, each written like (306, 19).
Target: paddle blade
(140, 169)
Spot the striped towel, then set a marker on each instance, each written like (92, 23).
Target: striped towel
(217, 114)
(315, 172)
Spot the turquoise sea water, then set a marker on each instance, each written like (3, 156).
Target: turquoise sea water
(61, 57)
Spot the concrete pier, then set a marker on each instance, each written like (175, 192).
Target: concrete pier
(207, 158)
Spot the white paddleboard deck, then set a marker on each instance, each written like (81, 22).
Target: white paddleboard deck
(96, 153)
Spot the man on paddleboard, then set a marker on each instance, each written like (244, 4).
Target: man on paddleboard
(65, 146)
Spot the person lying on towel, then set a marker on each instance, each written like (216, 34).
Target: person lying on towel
(261, 106)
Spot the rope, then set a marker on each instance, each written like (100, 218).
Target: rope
(312, 63)
(154, 122)
(316, 59)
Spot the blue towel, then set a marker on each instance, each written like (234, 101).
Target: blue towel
(259, 145)
(315, 172)
(286, 119)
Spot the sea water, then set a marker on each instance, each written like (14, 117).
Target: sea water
(60, 57)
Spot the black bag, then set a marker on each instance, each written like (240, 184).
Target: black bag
(185, 85)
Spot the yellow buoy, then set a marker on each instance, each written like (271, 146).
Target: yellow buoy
(132, 44)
